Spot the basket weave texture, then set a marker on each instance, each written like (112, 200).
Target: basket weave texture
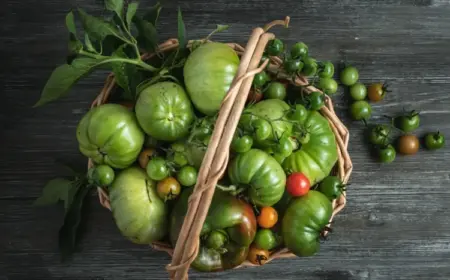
(216, 158)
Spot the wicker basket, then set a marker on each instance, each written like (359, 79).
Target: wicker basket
(217, 154)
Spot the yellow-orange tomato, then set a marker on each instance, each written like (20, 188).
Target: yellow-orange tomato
(268, 217)
(168, 188)
(258, 256)
(144, 157)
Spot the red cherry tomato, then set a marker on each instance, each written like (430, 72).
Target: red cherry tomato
(297, 184)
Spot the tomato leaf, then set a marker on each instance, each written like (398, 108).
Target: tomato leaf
(89, 46)
(65, 76)
(131, 12)
(74, 44)
(70, 23)
(124, 73)
(181, 31)
(148, 37)
(54, 191)
(115, 6)
(153, 14)
(98, 28)
(69, 232)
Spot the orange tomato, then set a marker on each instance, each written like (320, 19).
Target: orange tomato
(268, 217)
(144, 157)
(258, 256)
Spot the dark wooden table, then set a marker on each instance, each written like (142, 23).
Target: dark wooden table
(396, 225)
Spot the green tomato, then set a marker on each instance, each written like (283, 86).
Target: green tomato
(360, 110)
(379, 135)
(349, 76)
(275, 90)
(299, 50)
(208, 73)
(110, 134)
(187, 176)
(242, 144)
(164, 111)
(284, 148)
(260, 79)
(305, 219)
(358, 91)
(434, 141)
(328, 85)
(332, 187)
(310, 66)
(265, 239)
(262, 129)
(409, 122)
(299, 113)
(138, 212)
(101, 175)
(293, 66)
(261, 174)
(275, 47)
(315, 101)
(157, 169)
(387, 154)
(326, 70)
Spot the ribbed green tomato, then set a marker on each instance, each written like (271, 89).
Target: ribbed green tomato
(110, 134)
(139, 213)
(318, 153)
(164, 111)
(208, 74)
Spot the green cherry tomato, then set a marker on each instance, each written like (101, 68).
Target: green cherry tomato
(293, 66)
(265, 239)
(387, 154)
(275, 90)
(262, 129)
(326, 70)
(332, 187)
(310, 66)
(284, 147)
(360, 110)
(358, 91)
(275, 47)
(260, 79)
(315, 101)
(101, 175)
(298, 114)
(434, 141)
(408, 123)
(349, 76)
(157, 169)
(187, 176)
(242, 144)
(379, 135)
(328, 85)
(299, 50)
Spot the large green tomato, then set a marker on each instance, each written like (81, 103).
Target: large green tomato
(261, 173)
(318, 153)
(139, 213)
(164, 111)
(110, 134)
(208, 74)
(303, 222)
(273, 110)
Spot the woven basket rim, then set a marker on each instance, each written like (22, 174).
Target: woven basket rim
(344, 165)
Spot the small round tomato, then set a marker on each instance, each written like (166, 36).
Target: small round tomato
(157, 169)
(267, 217)
(284, 147)
(242, 144)
(310, 66)
(298, 113)
(349, 76)
(297, 184)
(434, 141)
(254, 95)
(260, 79)
(187, 176)
(293, 66)
(315, 101)
(408, 144)
(168, 188)
(377, 91)
(216, 240)
(262, 129)
(145, 156)
(299, 50)
(328, 85)
(275, 90)
(386, 154)
(258, 256)
(326, 70)
(360, 110)
(332, 187)
(101, 175)
(409, 122)
(379, 134)
(358, 91)
(265, 239)
(275, 47)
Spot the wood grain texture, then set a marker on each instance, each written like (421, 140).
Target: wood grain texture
(396, 224)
